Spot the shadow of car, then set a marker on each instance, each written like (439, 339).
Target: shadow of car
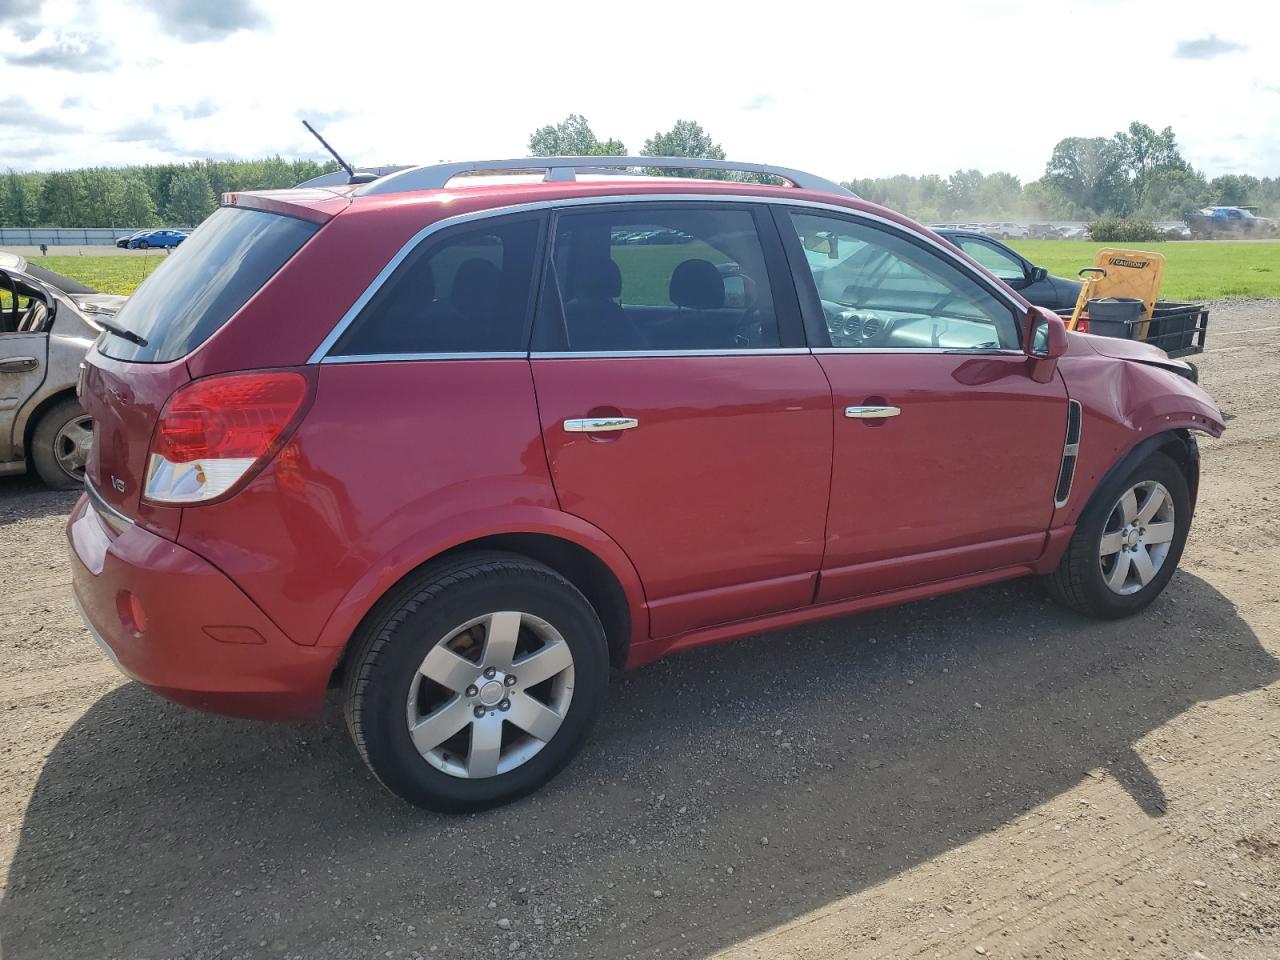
(855, 746)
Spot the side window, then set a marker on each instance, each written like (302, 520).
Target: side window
(880, 290)
(994, 259)
(644, 278)
(466, 291)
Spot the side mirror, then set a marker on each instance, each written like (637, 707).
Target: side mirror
(1046, 341)
(1039, 274)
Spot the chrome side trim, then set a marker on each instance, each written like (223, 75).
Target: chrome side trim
(320, 352)
(1070, 454)
(600, 424)
(916, 350)
(396, 357)
(636, 354)
(109, 513)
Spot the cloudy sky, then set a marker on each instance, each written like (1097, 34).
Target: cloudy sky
(845, 88)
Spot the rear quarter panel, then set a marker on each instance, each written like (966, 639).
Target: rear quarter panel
(394, 463)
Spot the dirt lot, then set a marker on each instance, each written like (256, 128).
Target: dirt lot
(982, 774)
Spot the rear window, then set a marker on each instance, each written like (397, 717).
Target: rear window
(204, 281)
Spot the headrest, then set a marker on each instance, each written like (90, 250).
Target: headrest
(475, 287)
(596, 278)
(697, 284)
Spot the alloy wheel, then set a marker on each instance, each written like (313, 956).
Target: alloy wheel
(71, 446)
(1137, 537)
(490, 694)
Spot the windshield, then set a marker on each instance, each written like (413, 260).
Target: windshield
(204, 282)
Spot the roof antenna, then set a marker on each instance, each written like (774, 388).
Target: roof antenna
(352, 176)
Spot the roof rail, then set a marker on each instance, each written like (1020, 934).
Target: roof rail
(554, 169)
(337, 178)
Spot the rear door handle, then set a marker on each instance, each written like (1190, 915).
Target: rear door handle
(600, 424)
(18, 364)
(870, 413)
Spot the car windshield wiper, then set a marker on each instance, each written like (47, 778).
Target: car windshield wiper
(119, 331)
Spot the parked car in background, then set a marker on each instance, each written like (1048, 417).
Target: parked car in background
(123, 242)
(47, 323)
(1033, 282)
(145, 239)
(1005, 230)
(511, 444)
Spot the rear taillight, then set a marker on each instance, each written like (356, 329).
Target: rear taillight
(214, 433)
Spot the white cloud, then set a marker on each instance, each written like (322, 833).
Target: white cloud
(846, 90)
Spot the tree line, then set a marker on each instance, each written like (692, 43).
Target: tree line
(171, 194)
(1137, 173)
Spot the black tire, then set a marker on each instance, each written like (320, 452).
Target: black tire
(1078, 581)
(389, 648)
(43, 439)
(144, 245)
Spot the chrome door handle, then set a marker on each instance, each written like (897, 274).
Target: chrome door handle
(18, 364)
(600, 424)
(870, 413)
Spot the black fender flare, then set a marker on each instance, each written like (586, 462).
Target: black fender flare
(1181, 447)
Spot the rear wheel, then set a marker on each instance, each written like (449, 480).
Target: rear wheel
(477, 683)
(60, 444)
(144, 245)
(1128, 542)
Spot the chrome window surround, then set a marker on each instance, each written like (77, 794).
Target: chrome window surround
(320, 354)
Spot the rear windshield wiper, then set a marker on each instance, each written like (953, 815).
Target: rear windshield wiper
(120, 332)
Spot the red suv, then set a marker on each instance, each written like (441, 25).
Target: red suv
(461, 445)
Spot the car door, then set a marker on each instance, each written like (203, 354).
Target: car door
(681, 411)
(1019, 273)
(23, 358)
(946, 450)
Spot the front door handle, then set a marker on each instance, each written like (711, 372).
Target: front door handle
(18, 364)
(600, 424)
(870, 413)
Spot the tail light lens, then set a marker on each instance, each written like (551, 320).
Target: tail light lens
(215, 433)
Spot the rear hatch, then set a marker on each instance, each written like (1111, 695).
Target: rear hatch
(133, 371)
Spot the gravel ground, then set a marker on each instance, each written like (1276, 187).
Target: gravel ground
(978, 775)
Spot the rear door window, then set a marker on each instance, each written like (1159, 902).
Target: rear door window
(468, 290)
(643, 278)
(204, 281)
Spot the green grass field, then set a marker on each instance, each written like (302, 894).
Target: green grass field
(1204, 270)
(109, 274)
(1193, 270)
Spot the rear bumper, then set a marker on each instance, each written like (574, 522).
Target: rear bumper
(176, 624)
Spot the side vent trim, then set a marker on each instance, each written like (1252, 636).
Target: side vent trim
(1070, 451)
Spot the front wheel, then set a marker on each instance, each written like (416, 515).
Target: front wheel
(477, 683)
(1127, 544)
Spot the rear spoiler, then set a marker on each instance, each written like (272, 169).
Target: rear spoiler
(318, 206)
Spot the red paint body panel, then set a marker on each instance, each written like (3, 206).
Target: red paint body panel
(744, 501)
(182, 595)
(723, 486)
(388, 452)
(962, 480)
(656, 649)
(125, 400)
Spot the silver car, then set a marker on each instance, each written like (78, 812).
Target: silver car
(47, 323)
